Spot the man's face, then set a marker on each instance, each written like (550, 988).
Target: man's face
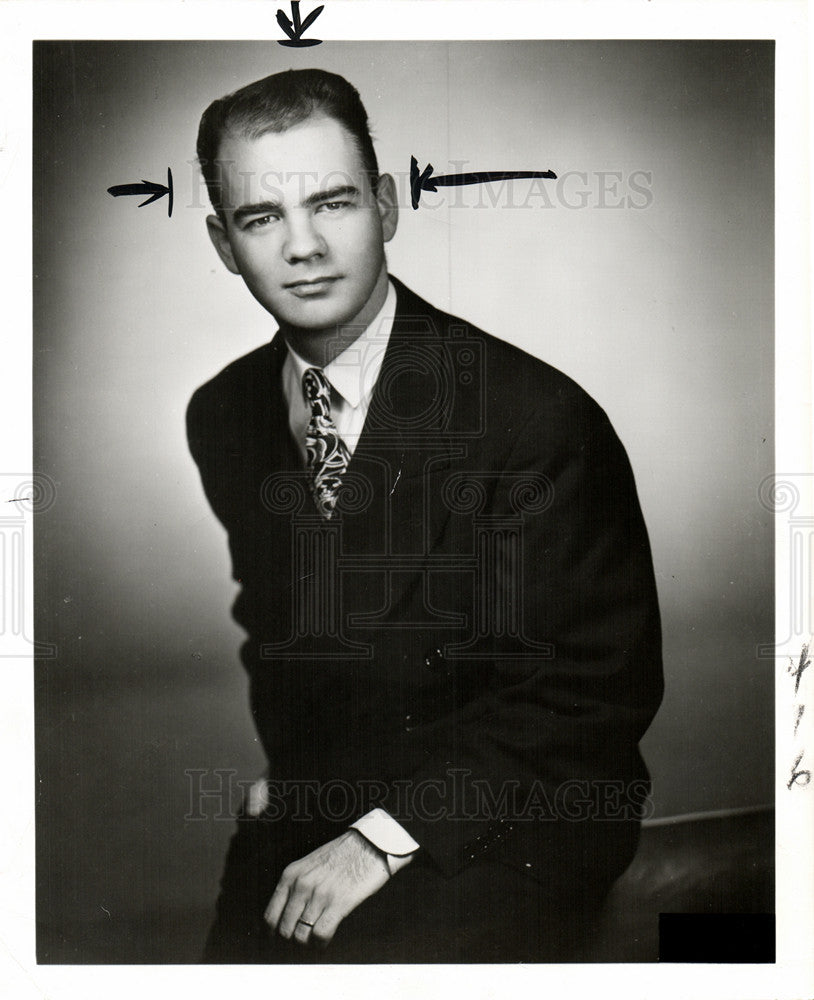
(303, 227)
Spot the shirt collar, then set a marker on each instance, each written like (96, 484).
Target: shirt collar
(353, 373)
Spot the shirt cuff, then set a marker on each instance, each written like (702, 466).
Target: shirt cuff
(389, 836)
(257, 797)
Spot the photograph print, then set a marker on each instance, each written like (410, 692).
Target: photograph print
(408, 584)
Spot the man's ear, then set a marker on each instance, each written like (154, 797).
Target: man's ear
(388, 205)
(220, 241)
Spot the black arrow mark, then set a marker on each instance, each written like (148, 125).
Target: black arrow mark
(424, 181)
(155, 191)
(295, 30)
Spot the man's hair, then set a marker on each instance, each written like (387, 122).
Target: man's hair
(276, 103)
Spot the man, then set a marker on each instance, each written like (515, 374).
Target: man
(446, 583)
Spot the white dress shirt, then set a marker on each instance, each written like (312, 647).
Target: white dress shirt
(352, 375)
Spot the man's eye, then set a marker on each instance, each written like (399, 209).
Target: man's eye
(334, 206)
(259, 223)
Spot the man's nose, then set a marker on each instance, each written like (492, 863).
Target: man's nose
(303, 239)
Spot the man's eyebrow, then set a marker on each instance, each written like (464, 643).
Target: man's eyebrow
(343, 191)
(316, 198)
(255, 208)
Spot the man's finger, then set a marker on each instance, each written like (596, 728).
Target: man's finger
(298, 899)
(305, 924)
(276, 905)
(302, 931)
(334, 912)
(324, 929)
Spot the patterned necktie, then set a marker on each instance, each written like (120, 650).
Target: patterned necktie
(328, 455)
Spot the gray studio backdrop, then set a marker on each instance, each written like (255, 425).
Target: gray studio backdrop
(646, 275)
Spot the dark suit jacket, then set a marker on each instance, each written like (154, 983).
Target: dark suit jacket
(473, 640)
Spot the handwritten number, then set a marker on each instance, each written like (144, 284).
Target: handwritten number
(798, 777)
(802, 666)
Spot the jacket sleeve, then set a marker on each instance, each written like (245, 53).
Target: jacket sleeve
(576, 713)
(206, 445)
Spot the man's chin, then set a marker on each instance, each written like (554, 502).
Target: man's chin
(316, 318)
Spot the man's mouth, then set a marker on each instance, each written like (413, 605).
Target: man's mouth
(311, 286)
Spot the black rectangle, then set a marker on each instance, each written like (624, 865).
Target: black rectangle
(717, 937)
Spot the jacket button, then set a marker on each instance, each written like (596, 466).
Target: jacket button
(434, 659)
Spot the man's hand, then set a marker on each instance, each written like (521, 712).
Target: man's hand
(316, 893)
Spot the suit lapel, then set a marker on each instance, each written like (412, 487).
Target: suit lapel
(403, 453)
(283, 452)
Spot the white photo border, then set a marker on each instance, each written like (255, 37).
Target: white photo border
(21, 22)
